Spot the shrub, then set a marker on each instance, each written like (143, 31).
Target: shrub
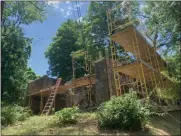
(67, 115)
(12, 113)
(125, 112)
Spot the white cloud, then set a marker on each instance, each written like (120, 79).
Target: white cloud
(70, 8)
(55, 3)
(66, 12)
(62, 10)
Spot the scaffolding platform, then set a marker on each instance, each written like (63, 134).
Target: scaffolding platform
(75, 83)
(124, 38)
(132, 70)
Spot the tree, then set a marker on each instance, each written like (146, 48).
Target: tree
(31, 75)
(90, 34)
(163, 25)
(28, 76)
(58, 53)
(16, 48)
(73, 36)
(97, 26)
(162, 22)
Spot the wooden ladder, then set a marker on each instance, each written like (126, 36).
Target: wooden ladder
(51, 98)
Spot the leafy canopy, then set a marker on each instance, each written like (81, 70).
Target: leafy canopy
(16, 48)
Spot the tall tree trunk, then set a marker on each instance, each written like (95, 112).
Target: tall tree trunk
(2, 8)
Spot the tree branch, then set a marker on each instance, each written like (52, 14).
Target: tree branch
(148, 36)
(143, 16)
(2, 8)
(35, 6)
(155, 39)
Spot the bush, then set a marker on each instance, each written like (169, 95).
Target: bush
(125, 112)
(67, 115)
(12, 113)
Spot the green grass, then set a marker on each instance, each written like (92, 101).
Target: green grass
(86, 125)
(166, 123)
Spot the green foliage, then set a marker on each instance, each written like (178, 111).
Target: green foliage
(173, 67)
(23, 12)
(168, 93)
(16, 48)
(58, 53)
(77, 54)
(125, 112)
(162, 23)
(162, 18)
(171, 89)
(67, 115)
(13, 113)
(90, 34)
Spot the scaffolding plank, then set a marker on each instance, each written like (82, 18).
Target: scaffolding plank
(124, 38)
(75, 83)
(132, 69)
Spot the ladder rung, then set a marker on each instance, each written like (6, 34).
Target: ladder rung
(47, 106)
(49, 100)
(51, 97)
(48, 103)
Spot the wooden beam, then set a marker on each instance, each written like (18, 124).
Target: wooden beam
(123, 38)
(41, 102)
(29, 103)
(75, 83)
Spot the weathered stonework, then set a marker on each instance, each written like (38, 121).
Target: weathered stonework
(41, 83)
(80, 98)
(102, 87)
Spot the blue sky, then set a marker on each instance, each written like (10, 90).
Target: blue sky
(42, 33)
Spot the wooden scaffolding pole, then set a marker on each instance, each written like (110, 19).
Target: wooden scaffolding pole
(30, 101)
(54, 104)
(41, 102)
(141, 72)
(73, 67)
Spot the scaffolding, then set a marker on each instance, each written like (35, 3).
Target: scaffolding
(144, 73)
(139, 68)
(87, 67)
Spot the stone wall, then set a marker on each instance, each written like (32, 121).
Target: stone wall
(102, 87)
(41, 83)
(60, 102)
(112, 87)
(80, 98)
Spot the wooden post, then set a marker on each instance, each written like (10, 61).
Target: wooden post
(73, 67)
(29, 102)
(41, 103)
(54, 103)
(90, 91)
(108, 74)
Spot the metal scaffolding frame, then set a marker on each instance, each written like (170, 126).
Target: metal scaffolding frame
(87, 67)
(145, 81)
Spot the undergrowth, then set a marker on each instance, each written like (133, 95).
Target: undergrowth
(124, 113)
(13, 113)
(67, 115)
